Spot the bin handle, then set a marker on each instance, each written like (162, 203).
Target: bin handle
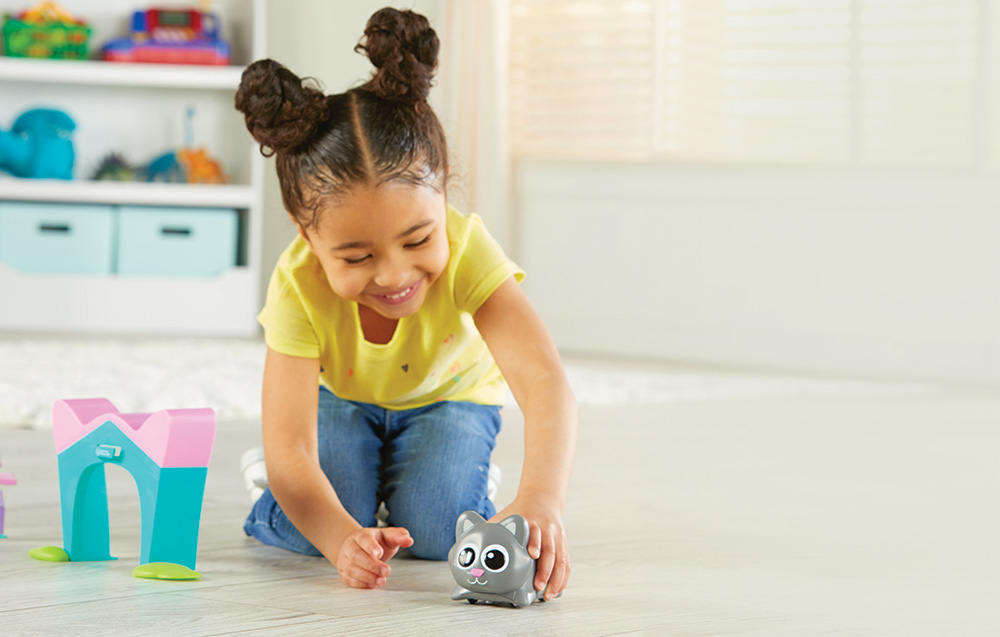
(54, 227)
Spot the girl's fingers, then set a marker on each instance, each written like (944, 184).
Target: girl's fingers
(368, 557)
(364, 572)
(553, 567)
(396, 536)
(361, 567)
(360, 578)
(370, 545)
(534, 540)
(365, 562)
(392, 538)
(543, 567)
(560, 572)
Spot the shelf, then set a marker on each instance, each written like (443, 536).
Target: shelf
(139, 110)
(223, 305)
(97, 73)
(117, 192)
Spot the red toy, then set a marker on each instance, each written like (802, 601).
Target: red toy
(171, 36)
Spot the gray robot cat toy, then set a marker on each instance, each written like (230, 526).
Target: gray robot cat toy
(490, 561)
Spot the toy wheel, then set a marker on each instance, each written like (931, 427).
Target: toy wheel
(472, 601)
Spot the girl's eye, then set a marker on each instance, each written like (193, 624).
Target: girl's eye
(419, 243)
(358, 260)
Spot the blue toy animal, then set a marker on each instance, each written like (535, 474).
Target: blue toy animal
(39, 145)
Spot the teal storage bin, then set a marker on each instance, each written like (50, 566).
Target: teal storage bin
(176, 241)
(55, 238)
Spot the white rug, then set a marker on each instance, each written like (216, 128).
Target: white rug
(135, 375)
(152, 374)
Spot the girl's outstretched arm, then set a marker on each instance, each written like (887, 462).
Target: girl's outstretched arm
(290, 397)
(526, 355)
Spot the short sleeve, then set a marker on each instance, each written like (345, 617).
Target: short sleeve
(481, 266)
(287, 328)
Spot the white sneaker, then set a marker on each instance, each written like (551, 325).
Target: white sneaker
(254, 472)
(382, 516)
(493, 479)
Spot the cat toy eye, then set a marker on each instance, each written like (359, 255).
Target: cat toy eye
(466, 557)
(495, 558)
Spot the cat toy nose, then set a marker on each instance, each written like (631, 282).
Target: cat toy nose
(476, 572)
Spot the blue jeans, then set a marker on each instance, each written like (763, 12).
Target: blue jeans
(428, 465)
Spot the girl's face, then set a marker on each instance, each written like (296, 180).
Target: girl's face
(383, 247)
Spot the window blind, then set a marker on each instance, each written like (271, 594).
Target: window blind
(881, 82)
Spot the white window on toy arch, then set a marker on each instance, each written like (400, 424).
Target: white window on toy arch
(843, 82)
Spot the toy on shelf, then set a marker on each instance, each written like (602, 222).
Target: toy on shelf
(164, 169)
(490, 561)
(166, 452)
(39, 145)
(171, 36)
(199, 167)
(187, 165)
(114, 167)
(45, 31)
(8, 479)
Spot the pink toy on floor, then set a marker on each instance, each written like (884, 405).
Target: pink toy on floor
(170, 437)
(5, 478)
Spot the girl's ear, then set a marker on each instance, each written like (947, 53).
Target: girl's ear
(302, 231)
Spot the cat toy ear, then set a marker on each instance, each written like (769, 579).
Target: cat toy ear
(518, 526)
(466, 521)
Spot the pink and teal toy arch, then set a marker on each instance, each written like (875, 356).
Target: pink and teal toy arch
(167, 453)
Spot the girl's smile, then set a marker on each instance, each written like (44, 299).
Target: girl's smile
(401, 296)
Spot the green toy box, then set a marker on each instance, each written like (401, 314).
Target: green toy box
(53, 40)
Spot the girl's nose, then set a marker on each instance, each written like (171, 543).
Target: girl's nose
(476, 572)
(392, 275)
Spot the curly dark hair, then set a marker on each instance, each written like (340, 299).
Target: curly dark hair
(381, 131)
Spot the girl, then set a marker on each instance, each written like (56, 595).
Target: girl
(406, 312)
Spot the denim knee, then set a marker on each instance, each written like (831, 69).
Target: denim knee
(432, 538)
(432, 525)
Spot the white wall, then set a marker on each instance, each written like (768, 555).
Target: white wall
(880, 274)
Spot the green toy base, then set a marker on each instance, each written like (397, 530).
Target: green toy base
(49, 554)
(165, 570)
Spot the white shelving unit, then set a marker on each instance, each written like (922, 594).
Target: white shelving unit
(138, 110)
(95, 72)
(116, 192)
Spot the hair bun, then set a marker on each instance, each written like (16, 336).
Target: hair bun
(404, 49)
(281, 112)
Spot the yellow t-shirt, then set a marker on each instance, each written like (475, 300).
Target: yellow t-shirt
(435, 354)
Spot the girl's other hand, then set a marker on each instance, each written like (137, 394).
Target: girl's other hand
(361, 560)
(546, 543)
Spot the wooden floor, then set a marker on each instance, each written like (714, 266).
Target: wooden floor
(873, 514)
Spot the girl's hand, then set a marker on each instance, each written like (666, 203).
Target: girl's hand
(361, 560)
(546, 543)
